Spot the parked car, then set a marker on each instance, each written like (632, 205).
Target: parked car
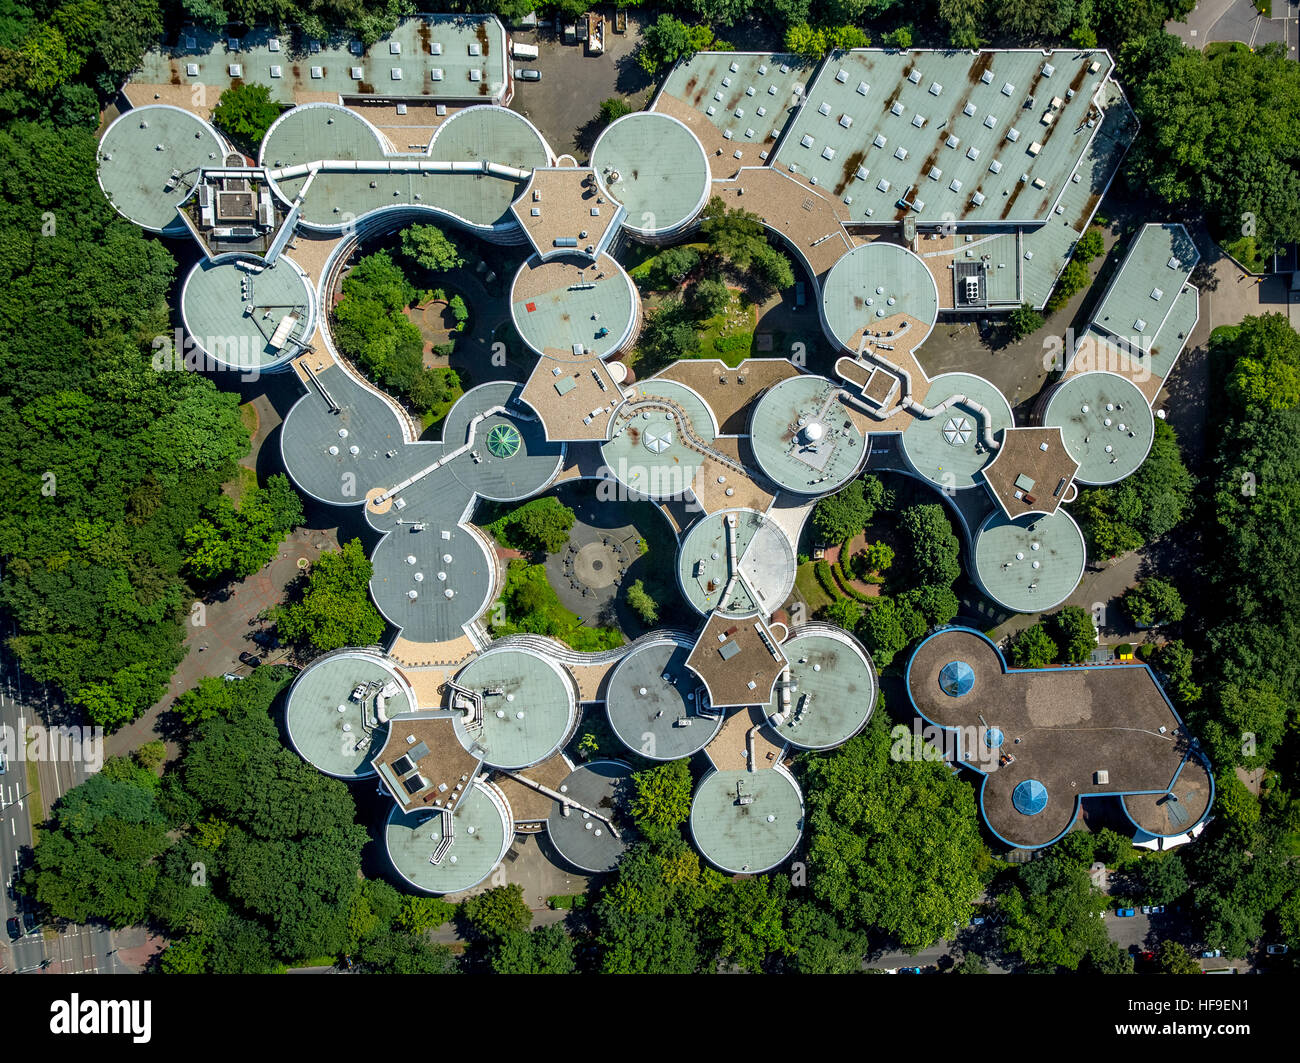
(233, 677)
(1125, 913)
(29, 922)
(909, 970)
(1277, 950)
(249, 659)
(527, 73)
(1156, 909)
(977, 921)
(1211, 954)
(14, 927)
(4, 764)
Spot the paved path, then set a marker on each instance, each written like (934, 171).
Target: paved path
(1238, 20)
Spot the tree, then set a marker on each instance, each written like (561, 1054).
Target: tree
(1035, 18)
(885, 630)
(1024, 320)
(1163, 878)
(539, 525)
(246, 111)
(892, 841)
(1152, 601)
(935, 549)
(544, 950)
(844, 612)
(844, 514)
(1034, 648)
(1090, 245)
(1074, 630)
(877, 557)
(612, 109)
(670, 267)
(661, 799)
(668, 39)
(1051, 915)
(806, 42)
(971, 963)
(709, 296)
(498, 912)
(1174, 958)
(429, 247)
(334, 609)
(1243, 725)
(934, 603)
(641, 603)
(965, 20)
(1263, 355)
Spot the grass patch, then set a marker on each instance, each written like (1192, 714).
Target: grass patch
(728, 335)
(439, 410)
(248, 417)
(34, 799)
(529, 604)
(805, 583)
(1247, 252)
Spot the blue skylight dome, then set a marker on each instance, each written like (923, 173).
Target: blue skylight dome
(1029, 797)
(956, 678)
(994, 737)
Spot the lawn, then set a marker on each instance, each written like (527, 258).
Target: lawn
(529, 604)
(730, 334)
(807, 587)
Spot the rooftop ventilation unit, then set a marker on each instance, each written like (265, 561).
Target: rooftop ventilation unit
(952, 140)
(436, 73)
(1034, 148)
(914, 77)
(990, 121)
(883, 185)
(955, 186)
(735, 68)
(1008, 89)
(1048, 70)
(318, 72)
(972, 153)
(1013, 134)
(935, 88)
(275, 71)
(977, 199)
(987, 77)
(394, 47)
(396, 73)
(969, 110)
(357, 73)
(236, 71)
(824, 110)
(1157, 294)
(918, 120)
(841, 75)
(935, 173)
(863, 88)
(862, 173)
(828, 153)
(192, 69)
(995, 166)
(880, 140)
(435, 48)
(806, 141)
(846, 121)
(475, 48)
(900, 152)
(1139, 325)
(897, 108)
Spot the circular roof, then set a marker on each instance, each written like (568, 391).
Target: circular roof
(651, 701)
(1106, 424)
(1029, 797)
(503, 441)
(583, 837)
(645, 450)
(993, 737)
(956, 678)
(832, 690)
(528, 706)
(879, 287)
(1031, 563)
(747, 822)
(140, 151)
(803, 437)
(948, 449)
(480, 833)
(763, 560)
(655, 167)
(570, 301)
(337, 708)
(247, 315)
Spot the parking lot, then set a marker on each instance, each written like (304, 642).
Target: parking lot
(564, 102)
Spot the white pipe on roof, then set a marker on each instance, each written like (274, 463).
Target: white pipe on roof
(288, 173)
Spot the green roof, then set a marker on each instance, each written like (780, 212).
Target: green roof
(138, 154)
(215, 302)
(342, 743)
(765, 564)
(529, 706)
(968, 104)
(947, 449)
(1105, 422)
(833, 691)
(1006, 552)
(803, 438)
(749, 837)
(201, 57)
(482, 830)
(663, 174)
(873, 282)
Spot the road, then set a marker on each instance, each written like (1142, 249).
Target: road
(1237, 20)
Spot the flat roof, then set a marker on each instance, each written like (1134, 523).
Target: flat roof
(948, 449)
(235, 307)
(949, 130)
(294, 66)
(754, 572)
(738, 660)
(803, 437)
(747, 822)
(138, 154)
(332, 730)
(832, 690)
(867, 290)
(1142, 294)
(572, 301)
(1031, 471)
(582, 837)
(384, 178)
(558, 204)
(1170, 814)
(1029, 564)
(663, 175)
(652, 701)
(646, 450)
(529, 706)
(1058, 734)
(422, 764)
(1105, 422)
(482, 830)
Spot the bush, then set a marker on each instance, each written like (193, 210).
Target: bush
(612, 109)
(1034, 648)
(1152, 601)
(246, 112)
(540, 524)
(641, 603)
(1073, 629)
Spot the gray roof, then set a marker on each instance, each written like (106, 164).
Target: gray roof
(833, 689)
(529, 706)
(782, 430)
(138, 154)
(482, 830)
(651, 700)
(765, 564)
(947, 449)
(973, 119)
(201, 57)
(216, 302)
(752, 837)
(717, 84)
(573, 306)
(645, 450)
(873, 282)
(663, 174)
(582, 839)
(331, 731)
(1105, 422)
(1005, 556)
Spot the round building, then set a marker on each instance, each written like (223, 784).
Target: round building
(572, 306)
(803, 438)
(948, 444)
(736, 561)
(879, 291)
(592, 832)
(438, 852)
(829, 691)
(653, 700)
(747, 822)
(653, 166)
(1105, 422)
(1029, 564)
